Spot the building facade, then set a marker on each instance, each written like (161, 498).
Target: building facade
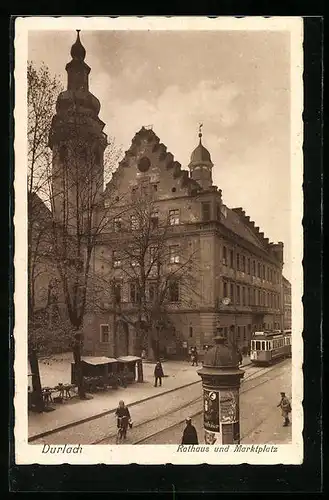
(237, 272)
(286, 299)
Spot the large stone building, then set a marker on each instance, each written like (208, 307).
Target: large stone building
(237, 288)
(286, 301)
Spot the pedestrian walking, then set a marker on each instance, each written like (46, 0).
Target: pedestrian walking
(143, 354)
(190, 435)
(194, 357)
(158, 374)
(285, 408)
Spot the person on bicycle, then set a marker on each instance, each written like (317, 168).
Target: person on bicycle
(123, 418)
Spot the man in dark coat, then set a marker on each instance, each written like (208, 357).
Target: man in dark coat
(190, 435)
(158, 374)
(285, 408)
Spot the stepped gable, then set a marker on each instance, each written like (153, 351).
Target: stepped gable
(157, 150)
(234, 222)
(246, 228)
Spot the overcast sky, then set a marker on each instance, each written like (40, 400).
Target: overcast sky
(236, 83)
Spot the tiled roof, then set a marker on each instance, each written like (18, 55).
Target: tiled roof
(234, 223)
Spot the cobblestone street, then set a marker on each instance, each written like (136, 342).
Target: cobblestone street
(177, 374)
(259, 419)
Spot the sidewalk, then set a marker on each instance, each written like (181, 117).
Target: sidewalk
(177, 374)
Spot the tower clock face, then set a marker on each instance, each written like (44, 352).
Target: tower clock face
(144, 164)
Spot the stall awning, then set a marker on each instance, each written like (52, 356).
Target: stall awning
(98, 360)
(127, 359)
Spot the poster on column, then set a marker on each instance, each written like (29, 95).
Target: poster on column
(229, 416)
(211, 417)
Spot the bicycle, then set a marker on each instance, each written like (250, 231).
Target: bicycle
(122, 429)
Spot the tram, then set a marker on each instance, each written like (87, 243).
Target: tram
(268, 346)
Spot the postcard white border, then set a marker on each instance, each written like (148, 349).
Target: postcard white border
(94, 454)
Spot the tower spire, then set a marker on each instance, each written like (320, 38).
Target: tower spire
(78, 52)
(77, 70)
(200, 132)
(201, 165)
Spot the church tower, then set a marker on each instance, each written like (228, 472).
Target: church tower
(77, 142)
(201, 165)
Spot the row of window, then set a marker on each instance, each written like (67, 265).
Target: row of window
(242, 332)
(249, 266)
(250, 296)
(173, 256)
(151, 291)
(173, 220)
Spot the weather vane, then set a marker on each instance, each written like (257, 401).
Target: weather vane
(200, 127)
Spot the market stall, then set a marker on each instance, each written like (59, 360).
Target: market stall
(130, 368)
(98, 372)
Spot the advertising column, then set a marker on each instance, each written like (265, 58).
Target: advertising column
(229, 416)
(221, 416)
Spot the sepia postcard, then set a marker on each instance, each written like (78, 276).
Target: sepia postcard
(158, 240)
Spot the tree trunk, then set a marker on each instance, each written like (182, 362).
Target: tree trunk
(151, 347)
(78, 366)
(36, 382)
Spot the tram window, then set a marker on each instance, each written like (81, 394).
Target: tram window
(257, 345)
(263, 346)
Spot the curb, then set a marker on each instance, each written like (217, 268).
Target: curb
(102, 414)
(108, 412)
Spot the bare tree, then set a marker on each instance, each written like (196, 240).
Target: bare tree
(42, 91)
(79, 215)
(158, 267)
(66, 215)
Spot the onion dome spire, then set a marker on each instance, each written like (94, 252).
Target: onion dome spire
(200, 154)
(201, 164)
(78, 52)
(77, 70)
(200, 133)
